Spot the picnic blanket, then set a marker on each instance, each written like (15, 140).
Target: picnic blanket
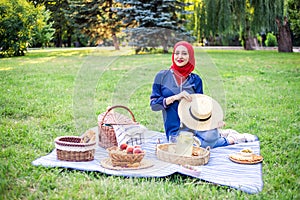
(219, 170)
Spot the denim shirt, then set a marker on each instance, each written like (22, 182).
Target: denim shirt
(165, 86)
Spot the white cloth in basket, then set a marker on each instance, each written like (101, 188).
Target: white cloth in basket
(132, 134)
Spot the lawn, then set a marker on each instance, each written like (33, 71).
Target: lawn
(50, 93)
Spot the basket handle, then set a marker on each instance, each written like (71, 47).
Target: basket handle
(118, 106)
(208, 148)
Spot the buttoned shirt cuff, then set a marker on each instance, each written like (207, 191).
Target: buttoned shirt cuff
(164, 103)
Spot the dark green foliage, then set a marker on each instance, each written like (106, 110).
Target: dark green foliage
(154, 23)
(147, 24)
(64, 28)
(293, 13)
(97, 19)
(247, 17)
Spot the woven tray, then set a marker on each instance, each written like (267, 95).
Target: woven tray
(122, 159)
(107, 136)
(69, 148)
(163, 153)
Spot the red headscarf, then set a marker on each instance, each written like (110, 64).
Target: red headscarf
(189, 67)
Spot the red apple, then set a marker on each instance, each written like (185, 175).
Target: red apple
(123, 146)
(129, 149)
(137, 146)
(137, 150)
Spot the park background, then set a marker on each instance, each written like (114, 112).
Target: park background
(147, 25)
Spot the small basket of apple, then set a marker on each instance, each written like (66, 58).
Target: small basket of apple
(126, 155)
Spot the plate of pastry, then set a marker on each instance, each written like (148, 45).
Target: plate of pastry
(246, 156)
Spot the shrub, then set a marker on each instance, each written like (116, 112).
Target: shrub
(259, 40)
(271, 40)
(20, 25)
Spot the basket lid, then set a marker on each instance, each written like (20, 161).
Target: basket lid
(115, 118)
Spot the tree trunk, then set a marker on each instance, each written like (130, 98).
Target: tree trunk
(59, 41)
(115, 41)
(164, 41)
(69, 41)
(165, 48)
(249, 43)
(284, 37)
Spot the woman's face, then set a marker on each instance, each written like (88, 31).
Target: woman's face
(181, 56)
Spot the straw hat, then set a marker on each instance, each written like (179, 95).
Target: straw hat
(202, 113)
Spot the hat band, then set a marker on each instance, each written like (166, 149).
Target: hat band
(196, 118)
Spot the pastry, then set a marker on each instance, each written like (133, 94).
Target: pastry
(246, 159)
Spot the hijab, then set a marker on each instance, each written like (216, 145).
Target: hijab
(181, 73)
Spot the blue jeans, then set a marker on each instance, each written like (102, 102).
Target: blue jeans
(210, 138)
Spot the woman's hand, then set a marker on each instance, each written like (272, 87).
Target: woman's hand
(177, 97)
(183, 94)
(221, 124)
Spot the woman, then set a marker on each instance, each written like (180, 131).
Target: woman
(171, 85)
(177, 83)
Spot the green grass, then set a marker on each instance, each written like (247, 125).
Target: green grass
(60, 92)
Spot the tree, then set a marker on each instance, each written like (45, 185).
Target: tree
(218, 19)
(18, 19)
(97, 18)
(284, 38)
(293, 14)
(42, 31)
(154, 23)
(248, 17)
(63, 27)
(196, 21)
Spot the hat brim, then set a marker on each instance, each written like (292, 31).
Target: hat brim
(213, 122)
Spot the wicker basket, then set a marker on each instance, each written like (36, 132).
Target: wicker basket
(123, 159)
(164, 154)
(107, 136)
(69, 148)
